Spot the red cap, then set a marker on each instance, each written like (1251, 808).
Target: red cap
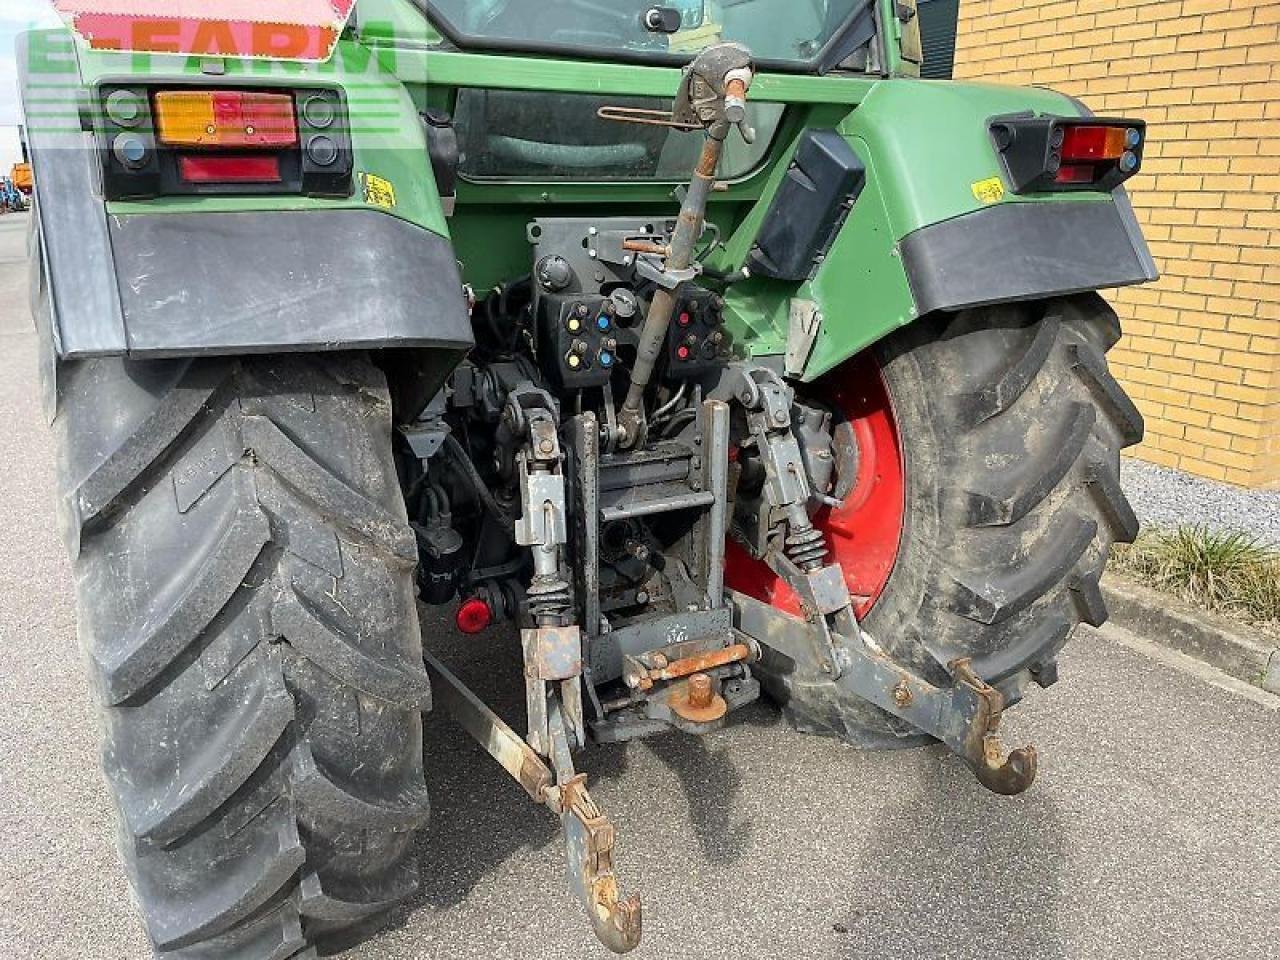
(474, 616)
(682, 352)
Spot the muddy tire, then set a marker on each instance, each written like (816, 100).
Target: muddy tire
(244, 570)
(1011, 429)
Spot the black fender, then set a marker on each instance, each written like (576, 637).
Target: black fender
(1026, 251)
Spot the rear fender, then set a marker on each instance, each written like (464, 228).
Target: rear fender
(935, 229)
(213, 276)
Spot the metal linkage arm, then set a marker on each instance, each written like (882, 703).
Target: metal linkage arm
(553, 646)
(965, 716)
(712, 96)
(794, 548)
(589, 836)
(553, 656)
(829, 642)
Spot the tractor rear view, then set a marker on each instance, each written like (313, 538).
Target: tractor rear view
(703, 345)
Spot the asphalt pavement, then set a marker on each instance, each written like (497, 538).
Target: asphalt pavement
(1153, 832)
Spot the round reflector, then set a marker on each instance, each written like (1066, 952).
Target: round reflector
(474, 616)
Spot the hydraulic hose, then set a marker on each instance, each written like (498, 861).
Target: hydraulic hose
(463, 462)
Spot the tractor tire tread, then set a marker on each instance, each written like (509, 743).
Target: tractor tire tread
(244, 571)
(1012, 428)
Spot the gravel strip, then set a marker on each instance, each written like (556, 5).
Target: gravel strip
(1170, 498)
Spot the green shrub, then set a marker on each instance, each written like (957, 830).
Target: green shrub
(1228, 572)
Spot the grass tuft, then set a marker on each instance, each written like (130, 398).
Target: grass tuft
(1224, 572)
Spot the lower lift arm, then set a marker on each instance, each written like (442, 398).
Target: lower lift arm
(829, 643)
(589, 836)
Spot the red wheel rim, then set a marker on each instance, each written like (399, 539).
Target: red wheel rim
(864, 535)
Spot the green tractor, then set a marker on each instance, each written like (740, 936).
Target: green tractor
(705, 345)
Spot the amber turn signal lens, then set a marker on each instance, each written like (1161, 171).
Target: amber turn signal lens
(225, 119)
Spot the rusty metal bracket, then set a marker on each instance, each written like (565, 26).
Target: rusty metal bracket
(639, 675)
(983, 751)
(965, 716)
(589, 835)
(589, 843)
(826, 604)
(648, 118)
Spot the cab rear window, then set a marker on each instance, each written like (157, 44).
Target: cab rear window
(786, 34)
(517, 135)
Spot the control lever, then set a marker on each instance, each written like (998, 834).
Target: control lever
(713, 95)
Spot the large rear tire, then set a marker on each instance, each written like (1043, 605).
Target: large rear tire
(244, 569)
(1010, 428)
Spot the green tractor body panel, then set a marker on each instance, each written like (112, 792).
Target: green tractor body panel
(387, 136)
(926, 147)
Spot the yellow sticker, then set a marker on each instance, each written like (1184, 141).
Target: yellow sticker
(378, 192)
(990, 190)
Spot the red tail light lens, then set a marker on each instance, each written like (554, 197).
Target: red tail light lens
(1076, 173)
(230, 169)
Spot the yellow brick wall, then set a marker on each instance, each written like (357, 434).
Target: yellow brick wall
(1201, 354)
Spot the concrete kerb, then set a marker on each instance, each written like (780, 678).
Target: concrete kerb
(1233, 648)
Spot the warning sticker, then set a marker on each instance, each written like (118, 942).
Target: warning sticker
(990, 190)
(378, 192)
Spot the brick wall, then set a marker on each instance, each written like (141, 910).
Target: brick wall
(1201, 355)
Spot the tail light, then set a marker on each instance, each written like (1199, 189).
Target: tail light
(1060, 154)
(230, 169)
(185, 141)
(225, 119)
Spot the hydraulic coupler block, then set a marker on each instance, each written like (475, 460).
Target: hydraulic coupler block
(578, 340)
